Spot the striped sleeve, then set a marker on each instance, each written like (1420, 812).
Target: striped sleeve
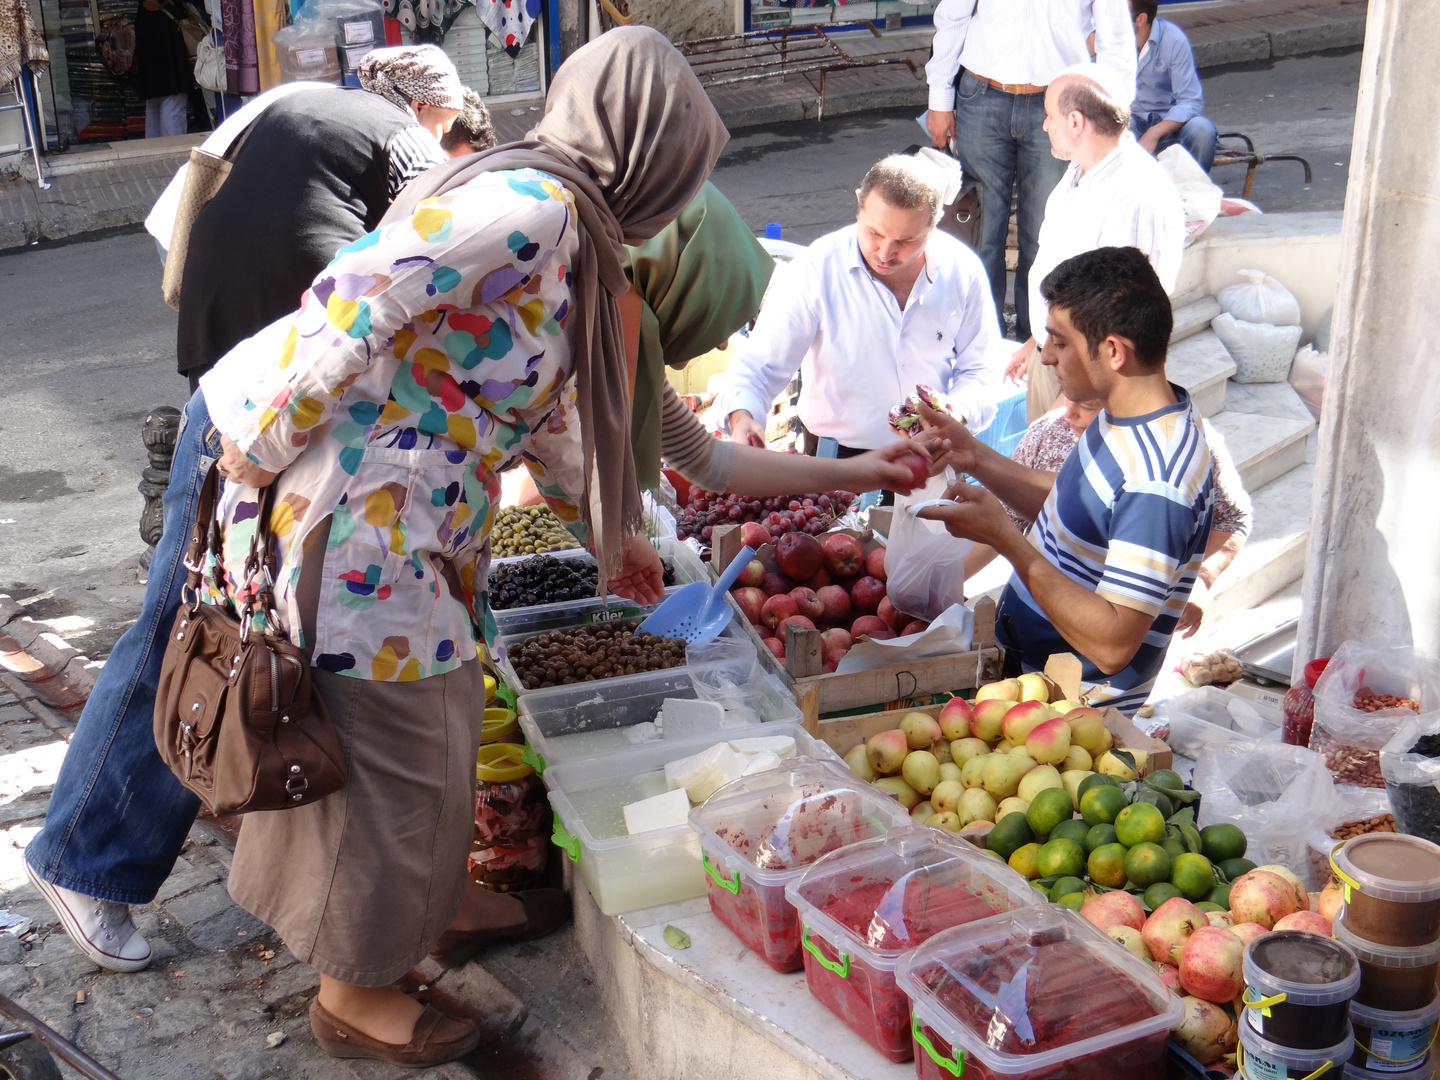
(410, 151)
(1152, 538)
(690, 449)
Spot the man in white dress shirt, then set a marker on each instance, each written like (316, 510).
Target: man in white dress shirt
(868, 312)
(1005, 52)
(1114, 194)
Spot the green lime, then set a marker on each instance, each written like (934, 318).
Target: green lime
(1193, 876)
(1095, 780)
(1062, 857)
(1166, 779)
(1140, 823)
(1220, 894)
(1065, 886)
(1221, 842)
(1048, 809)
(1174, 843)
(1208, 906)
(1022, 861)
(1158, 893)
(1102, 804)
(1157, 799)
(1147, 863)
(1073, 829)
(1009, 835)
(1099, 836)
(1234, 868)
(1041, 889)
(1107, 865)
(1072, 900)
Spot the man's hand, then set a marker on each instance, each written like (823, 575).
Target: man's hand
(941, 126)
(744, 428)
(1150, 140)
(641, 577)
(1194, 612)
(973, 514)
(959, 454)
(1019, 361)
(234, 465)
(878, 469)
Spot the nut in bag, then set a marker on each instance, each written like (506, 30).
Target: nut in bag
(1355, 713)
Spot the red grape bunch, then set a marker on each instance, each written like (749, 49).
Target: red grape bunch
(810, 513)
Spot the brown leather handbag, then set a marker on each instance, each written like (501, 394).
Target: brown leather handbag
(237, 716)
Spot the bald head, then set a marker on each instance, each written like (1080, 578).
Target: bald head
(1091, 91)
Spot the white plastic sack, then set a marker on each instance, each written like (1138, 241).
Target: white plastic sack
(1358, 666)
(1413, 780)
(1274, 792)
(1259, 298)
(1307, 376)
(1198, 193)
(1262, 352)
(924, 564)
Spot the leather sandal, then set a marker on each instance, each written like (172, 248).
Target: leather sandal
(437, 1038)
(545, 910)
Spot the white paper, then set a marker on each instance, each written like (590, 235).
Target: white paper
(950, 633)
(358, 33)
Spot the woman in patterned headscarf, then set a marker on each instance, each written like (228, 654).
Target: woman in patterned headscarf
(430, 354)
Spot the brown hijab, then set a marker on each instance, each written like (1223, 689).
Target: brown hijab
(631, 135)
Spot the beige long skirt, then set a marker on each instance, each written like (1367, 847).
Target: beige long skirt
(362, 883)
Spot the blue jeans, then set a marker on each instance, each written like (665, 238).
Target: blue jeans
(118, 816)
(1198, 136)
(1001, 142)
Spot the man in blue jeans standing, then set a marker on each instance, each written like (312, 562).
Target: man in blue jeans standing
(992, 61)
(118, 816)
(1168, 98)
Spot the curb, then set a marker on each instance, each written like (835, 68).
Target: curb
(38, 664)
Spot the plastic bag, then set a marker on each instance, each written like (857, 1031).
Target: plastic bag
(1259, 298)
(924, 564)
(1350, 739)
(727, 671)
(1412, 780)
(1353, 804)
(1273, 792)
(1262, 352)
(1307, 376)
(1199, 195)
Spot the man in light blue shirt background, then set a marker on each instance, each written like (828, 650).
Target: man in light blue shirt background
(1168, 98)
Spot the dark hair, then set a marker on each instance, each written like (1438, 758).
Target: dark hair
(472, 126)
(1148, 8)
(903, 182)
(1114, 290)
(1107, 114)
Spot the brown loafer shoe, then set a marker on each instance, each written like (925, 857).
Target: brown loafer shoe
(545, 910)
(437, 1038)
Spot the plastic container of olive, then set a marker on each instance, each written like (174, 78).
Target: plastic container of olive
(687, 564)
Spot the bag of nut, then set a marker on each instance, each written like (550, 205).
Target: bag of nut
(1360, 810)
(1361, 699)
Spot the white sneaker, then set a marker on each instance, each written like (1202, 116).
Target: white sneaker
(101, 929)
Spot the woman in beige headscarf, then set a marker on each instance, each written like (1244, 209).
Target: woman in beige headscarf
(429, 355)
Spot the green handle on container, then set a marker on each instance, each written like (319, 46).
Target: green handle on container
(842, 968)
(564, 841)
(533, 758)
(955, 1066)
(732, 887)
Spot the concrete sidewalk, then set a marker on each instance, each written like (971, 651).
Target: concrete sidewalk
(115, 184)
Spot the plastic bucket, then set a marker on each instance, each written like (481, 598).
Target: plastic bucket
(1298, 988)
(1261, 1059)
(1394, 1042)
(1392, 978)
(1424, 1071)
(1392, 888)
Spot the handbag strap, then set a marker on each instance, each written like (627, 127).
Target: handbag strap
(260, 562)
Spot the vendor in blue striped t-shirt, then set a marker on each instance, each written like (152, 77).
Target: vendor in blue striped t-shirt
(1120, 530)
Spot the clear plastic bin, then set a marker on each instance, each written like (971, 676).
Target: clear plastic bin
(755, 840)
(864, 906)
(625, 872)
(1035, 994)
(568, 723)
(1209, 715)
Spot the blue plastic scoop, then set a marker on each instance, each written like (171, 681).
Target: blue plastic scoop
(697, 612)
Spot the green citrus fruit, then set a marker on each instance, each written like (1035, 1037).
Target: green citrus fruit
(1107, 865)
(1157, 799)
(1072, 900)
(1140, 823)
(1235, 868)
(1158, 893)
(1098, 836)
(1220, 894)
(1221, 842)
(1048, 809)
(1073, 829)
(1193, 876)
(1095, 780)
(1102, 804)
(1022, 860)
(1065, 886)
(1009, 835)
(1165, 779)
(1062, 857)
(1174, 843)
(1147, 863)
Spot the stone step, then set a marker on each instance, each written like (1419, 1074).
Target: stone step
(1264, 446)
(1192, 315)
(1274, 552)
(1201, 365)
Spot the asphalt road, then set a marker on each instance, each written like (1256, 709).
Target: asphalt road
(87, 346)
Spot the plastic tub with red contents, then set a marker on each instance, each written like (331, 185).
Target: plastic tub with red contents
(760, 833)
(864, 906)
(1035, 994)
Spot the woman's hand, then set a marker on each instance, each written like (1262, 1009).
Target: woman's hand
(877, 469)
(234, 465)
(641, 577)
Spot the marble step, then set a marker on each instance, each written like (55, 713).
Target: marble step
(1192, 315)
(1274, 552)
(1201, 365)
(1264, 445)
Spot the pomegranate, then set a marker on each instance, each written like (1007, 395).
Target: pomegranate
(1262, 897)
(799, 555)
(1246, 931)
(844, 555)
(1114, 909)
(753, 574)
(870, 626)
(775, 584)
(893, 616)
(751, 601)
(807, 603)
(778, 607)
(1210, 964)
(836, 602)
(1312, 921)
(866, 594)
(1206, 1033)
(1170, 926)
